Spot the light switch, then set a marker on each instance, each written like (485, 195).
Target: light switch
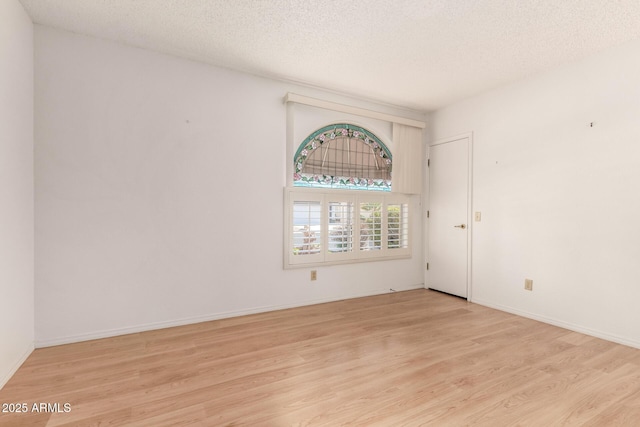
(478, 217)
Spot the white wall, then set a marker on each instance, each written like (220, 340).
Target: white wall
(16, 187)
(560, 200)
(159, 191)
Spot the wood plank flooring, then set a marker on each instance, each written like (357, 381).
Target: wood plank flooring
(401, 359)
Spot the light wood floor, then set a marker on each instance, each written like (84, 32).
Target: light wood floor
(408, 358)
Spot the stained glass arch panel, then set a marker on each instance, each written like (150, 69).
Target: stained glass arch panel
(343, 156)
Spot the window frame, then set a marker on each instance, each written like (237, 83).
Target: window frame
(357, 197)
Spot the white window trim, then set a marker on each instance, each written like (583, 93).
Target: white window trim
(325, 196)
(342, 108)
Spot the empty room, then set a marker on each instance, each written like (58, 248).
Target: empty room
(287, 212)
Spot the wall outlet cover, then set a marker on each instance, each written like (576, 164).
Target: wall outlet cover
(528, 284)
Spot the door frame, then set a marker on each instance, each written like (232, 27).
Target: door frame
(470, 217)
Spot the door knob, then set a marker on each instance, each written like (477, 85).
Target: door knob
(461, 226)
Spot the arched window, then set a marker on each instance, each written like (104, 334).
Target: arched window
(343, 156)
(327, 225)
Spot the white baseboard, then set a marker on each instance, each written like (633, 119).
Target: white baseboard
(207, 318)
(561, 324)
(5, 379)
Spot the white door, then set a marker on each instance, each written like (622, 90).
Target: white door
(449, 214)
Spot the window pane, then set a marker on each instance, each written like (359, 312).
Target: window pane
(343, 156)
(307, 233)
(397, 226)
(370, 226)
(340, 226)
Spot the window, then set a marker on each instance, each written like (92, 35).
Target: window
(337, 226)
(371, 226)
(343, 156)
(398, 225)
(326, 221)
(307, 236)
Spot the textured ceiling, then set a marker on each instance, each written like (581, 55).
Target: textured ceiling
(421, 54)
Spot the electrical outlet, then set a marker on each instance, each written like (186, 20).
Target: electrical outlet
(528, 284)
(314, 275)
